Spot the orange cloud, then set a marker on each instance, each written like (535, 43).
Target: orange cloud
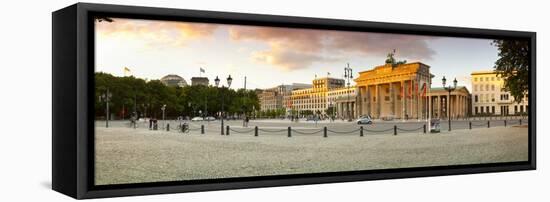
(291, 49)
(154, 32)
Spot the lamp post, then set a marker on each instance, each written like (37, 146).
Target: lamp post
(449, 89)
(217, 82)
(106, 97)
(163, 108)
(348, 75)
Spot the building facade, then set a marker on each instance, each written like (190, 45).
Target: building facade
(199, 81)
(173, 80)
(315, 99)
(490, 98)
(342, 100)
(279, 97)
(458, 105)
(394, 91)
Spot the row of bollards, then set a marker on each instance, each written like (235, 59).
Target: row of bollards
(325, 129)
(489, 123)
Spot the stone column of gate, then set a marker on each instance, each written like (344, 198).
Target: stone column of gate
(392, 97)
(439, 107)
(403, 98)
(358, 100)
(377, 95)
(368, 100)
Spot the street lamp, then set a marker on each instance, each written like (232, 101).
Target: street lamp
(217, 82)
(106, 97)
(348, 75)
(449, 89)
(163, 108)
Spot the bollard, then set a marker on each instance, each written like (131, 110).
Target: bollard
(256, 131)
(520, 122)
(325, 132)
(361, 131)
(227, 130)
(470, 125)
(488, 124)
(424, 128)
(289, 135)
(168, 127)
(395, 130)
(202, 129)
(504, 123)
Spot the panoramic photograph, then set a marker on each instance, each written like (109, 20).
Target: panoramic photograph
(182, 101)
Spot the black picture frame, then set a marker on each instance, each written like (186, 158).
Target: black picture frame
(73, 98)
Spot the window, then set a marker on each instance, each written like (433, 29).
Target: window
(481, 109)
(492, 78)
(487, 109)
(475, 108)
(475, 87)
(516, 109)
(475, 79)
(492, 87)
(493, 109)
(521, 108)
(475, 99)
(492, 97)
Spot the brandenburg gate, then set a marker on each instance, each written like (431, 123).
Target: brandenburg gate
(394, 91)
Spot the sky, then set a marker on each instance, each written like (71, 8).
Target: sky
(270, 56)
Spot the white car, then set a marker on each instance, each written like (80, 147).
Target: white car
(210, 118)
(364, 120)
(197, 118)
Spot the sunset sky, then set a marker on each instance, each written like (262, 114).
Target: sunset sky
(270, 56)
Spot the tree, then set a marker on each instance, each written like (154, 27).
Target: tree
(101, 19)
(513, 66)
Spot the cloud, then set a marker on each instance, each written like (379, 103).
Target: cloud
(291, 49)
(153, 32)
(288, 60)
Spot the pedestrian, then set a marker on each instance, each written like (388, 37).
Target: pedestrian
(246, 121)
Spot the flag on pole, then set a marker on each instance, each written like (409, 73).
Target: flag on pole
(201, 69)
(126, 71)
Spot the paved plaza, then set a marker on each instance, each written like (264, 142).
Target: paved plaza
(128, 155)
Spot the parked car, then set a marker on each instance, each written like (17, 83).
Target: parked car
(197, 118)
(210, 118)
(364, 120)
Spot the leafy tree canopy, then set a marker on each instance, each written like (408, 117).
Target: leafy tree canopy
(513, 66)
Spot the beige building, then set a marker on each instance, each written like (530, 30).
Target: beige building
(458, 104)
(490, 98)
(279, 97)
(315, 99)
(343, 100)
(394, 91)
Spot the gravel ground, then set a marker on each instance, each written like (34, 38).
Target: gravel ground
(125, 155)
